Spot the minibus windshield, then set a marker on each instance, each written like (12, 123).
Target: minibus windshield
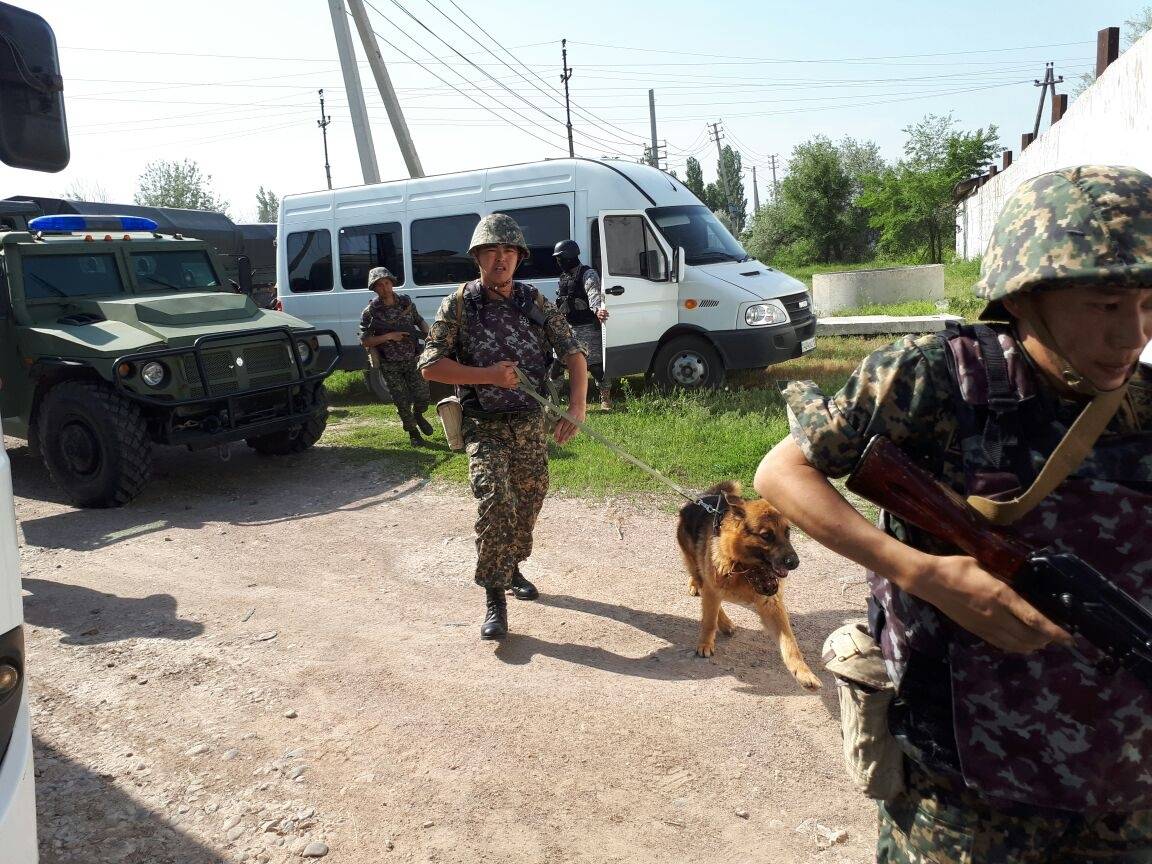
(703, 236)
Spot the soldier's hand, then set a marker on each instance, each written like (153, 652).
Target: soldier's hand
(982, 604)
(565, 428)
(503, 374)
(602, 314)
(394, 336)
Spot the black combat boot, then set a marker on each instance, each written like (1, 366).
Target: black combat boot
(414, 437)
(424, 425)
(521, 588)
(495, 623)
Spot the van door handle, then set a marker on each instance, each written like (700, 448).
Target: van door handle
(615, 290)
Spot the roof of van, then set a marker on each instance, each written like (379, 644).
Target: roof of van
(651, 186)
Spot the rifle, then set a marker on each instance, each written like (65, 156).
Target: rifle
(1067, 590)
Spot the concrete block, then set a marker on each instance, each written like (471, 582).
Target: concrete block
(852, 288)
(877, 325)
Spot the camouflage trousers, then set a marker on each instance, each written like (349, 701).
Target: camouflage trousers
(940, 821)
(508, 470)
(408, 389)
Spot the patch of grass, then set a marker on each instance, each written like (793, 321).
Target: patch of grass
(695, 439)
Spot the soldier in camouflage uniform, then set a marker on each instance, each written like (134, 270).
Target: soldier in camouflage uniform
(482, 334)
(1016, 748)
(391, 326)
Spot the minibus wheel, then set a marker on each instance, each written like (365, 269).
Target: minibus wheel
(689, 363)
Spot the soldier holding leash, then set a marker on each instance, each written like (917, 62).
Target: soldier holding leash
(482, 334)
(390, 326)
(1002, 742)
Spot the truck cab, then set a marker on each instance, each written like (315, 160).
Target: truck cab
(114, 337)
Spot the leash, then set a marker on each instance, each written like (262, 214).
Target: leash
(526, 386)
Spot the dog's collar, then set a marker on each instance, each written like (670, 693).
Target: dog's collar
(717, 510)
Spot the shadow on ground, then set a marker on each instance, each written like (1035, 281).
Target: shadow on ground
(748, 656)
(189, 489)
(83, 817)
(88, 617)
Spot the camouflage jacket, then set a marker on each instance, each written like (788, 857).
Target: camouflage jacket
(378, 319)
(495, 330)
(1021, 728)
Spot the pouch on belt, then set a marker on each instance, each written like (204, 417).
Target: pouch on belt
(873, 759)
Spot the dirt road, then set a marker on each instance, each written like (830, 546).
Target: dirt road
(265, 659)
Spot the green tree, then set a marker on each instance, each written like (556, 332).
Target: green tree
(85, 190)
(267, 205)
(911, 202)
(694, 178)
(730, 186)
(166, 183)
(713, 198)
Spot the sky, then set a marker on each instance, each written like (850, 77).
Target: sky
(234, 85)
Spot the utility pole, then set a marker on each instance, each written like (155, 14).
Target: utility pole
(654, 157)
(387, 92)
(775, 185)
(564, 76)
(716, 134)
(1050, 81)
(355, 93)
(323, 124)
(755, 193)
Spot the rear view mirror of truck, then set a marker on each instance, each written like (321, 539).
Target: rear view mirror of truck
(33, 129)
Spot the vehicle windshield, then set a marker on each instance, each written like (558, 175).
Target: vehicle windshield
(177, 270)
(703, 236)
(49, 277)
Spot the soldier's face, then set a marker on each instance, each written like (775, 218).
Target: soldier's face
(1100, 331)
(382, 287)
(497, 263)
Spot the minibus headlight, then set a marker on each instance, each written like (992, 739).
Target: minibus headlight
(763, 314)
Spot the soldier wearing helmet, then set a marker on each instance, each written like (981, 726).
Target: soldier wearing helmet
(579, 297)
(483, 333)
(997, 730)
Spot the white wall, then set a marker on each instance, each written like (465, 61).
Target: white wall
(1111, 124)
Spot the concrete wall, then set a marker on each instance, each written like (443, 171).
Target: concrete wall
(1111, 124)
(851, 288)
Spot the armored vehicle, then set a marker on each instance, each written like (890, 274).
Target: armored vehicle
(114, 337)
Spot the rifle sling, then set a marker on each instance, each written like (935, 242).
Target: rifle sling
(1066, 458)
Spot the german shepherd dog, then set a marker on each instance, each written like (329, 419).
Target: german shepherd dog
(740, 554)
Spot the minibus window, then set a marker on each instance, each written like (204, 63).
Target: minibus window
(632, 249)
(703, 237)
(440, 249)
(543, 228)
(309, 261)
(363, 247)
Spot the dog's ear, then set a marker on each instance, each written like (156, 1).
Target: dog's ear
(735, 503)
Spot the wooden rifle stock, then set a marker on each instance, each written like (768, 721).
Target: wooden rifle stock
(889, 479)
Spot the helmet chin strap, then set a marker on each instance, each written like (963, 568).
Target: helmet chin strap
(1068, 373)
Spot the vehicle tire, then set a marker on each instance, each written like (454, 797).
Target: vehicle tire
(688, 362)
(375, 382)
(296, 440)
(94, 443)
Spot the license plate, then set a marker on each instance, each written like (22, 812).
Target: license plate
(807, 345)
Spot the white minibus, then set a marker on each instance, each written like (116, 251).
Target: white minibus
(686, 302)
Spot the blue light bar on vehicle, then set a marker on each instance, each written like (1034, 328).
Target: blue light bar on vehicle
(70, 222)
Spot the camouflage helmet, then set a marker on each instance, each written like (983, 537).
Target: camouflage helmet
(498, 229)
(378, 273)
(1087, 225)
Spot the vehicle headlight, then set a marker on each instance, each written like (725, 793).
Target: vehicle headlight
(153, 373)
(304, 352)
(763, 314)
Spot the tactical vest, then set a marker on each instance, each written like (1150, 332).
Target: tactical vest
(494, 330)
(1047, 729)
(572, 297)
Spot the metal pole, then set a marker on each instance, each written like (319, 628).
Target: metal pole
(323, 124)
(775, 185)
(384, 85)
(755, 193)
(655, 160)
(564, 76)
(354, 92)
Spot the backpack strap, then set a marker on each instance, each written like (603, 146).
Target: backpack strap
(1001, 425)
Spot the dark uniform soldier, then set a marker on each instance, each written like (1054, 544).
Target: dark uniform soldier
(482, 334)
(1015, 748)
(390, 326)
(579, 297)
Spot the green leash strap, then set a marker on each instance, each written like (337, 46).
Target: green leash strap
(526, 386)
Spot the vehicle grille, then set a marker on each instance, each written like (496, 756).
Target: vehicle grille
(796, 312)
(265, 364)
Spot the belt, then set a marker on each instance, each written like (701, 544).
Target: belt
(500, 415)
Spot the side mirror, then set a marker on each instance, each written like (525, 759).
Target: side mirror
(244, 274)
(652, 265)
(33, 129)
